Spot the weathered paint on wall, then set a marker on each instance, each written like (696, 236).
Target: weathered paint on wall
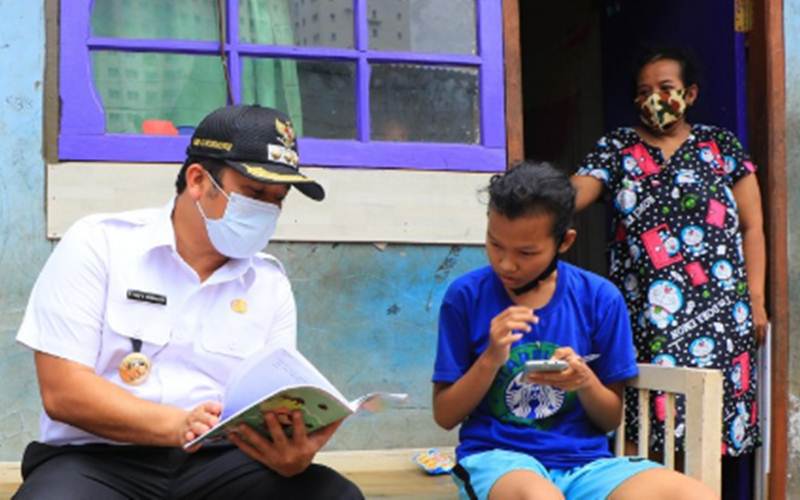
(367, 313)
(23, 247)
(368, 319)
(792, 40)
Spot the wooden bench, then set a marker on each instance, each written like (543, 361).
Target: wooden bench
(392, 474)
(379, 474)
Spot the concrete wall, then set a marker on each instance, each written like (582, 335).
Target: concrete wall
(792, 36)
(367, 313)
(23, 246)
(368, 320)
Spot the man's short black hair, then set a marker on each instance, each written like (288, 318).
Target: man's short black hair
(690, 69)
(212, 166)
(532, 188)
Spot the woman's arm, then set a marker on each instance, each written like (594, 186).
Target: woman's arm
(751, 221)
(587, 190)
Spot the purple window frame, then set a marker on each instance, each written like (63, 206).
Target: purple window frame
(83, 136)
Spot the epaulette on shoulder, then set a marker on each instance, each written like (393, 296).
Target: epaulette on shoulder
(270, 259)
(130, 218)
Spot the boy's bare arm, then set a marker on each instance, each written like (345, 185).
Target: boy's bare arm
(603, 404)
(452, 403)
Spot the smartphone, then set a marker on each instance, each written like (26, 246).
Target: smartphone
(545, 365)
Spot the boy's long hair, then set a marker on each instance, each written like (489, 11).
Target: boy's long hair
(533, 188)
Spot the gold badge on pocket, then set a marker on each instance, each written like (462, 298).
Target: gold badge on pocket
(134, 368)
(239, 306)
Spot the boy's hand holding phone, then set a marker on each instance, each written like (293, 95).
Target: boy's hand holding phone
(576, 376)
(545, 365)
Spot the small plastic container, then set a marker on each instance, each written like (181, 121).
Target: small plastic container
(434, 462)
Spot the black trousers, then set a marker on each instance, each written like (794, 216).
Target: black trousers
(110, 472)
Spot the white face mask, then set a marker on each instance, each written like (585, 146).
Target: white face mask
(245, 228)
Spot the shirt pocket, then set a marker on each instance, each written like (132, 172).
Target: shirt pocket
(143, 321)
(234, 334)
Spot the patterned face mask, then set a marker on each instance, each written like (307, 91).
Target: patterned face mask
(660, 109)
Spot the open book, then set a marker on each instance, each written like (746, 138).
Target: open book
(282, 381)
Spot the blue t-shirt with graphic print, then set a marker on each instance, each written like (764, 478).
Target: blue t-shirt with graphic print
(586, 313)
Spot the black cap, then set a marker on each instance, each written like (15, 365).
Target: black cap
(258, 142)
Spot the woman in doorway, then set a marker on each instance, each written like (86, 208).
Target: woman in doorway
(688, 251)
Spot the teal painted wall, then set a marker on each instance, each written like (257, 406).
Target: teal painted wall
(23, 246)
(367, 319)
(367, 314)
(792, 41)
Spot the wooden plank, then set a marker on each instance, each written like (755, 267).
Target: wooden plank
(669, 430)
(703, 429)
(767, 112)
(52, 103)
(390, 473)
(703, 419)
(513, 70)
(404, 485)
(777, 244)
(669, 379)
(10, 479)
(374, 460)
(362, 205)
(619, 436)
(644, 422)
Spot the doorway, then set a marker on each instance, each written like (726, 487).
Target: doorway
(562, 94)
(576, 62)
(574, 59)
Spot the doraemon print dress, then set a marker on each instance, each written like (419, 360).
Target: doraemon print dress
(677, 256)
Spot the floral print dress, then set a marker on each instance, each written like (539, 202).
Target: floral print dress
(676, 255)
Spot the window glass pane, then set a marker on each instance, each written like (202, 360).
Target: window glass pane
(318, 95)
(437, 26)
(320, 23)
(157, 93)
(413, 102)
(173, 19)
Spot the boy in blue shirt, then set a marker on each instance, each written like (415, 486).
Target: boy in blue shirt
(539, 435)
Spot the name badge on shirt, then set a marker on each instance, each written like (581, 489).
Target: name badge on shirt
(153, 298)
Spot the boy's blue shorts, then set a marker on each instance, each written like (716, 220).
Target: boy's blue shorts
(594, 480)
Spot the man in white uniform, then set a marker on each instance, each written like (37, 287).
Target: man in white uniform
(138, 319)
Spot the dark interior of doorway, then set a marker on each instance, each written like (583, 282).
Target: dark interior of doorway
(563, 101)
(576, 61)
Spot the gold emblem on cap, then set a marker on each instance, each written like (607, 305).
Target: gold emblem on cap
(264, 174)
(134, 368)
(286, 132)
(239, 306)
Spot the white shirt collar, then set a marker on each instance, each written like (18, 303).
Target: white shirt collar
(160, 232)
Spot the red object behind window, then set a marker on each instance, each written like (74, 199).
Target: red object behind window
(159, 127)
